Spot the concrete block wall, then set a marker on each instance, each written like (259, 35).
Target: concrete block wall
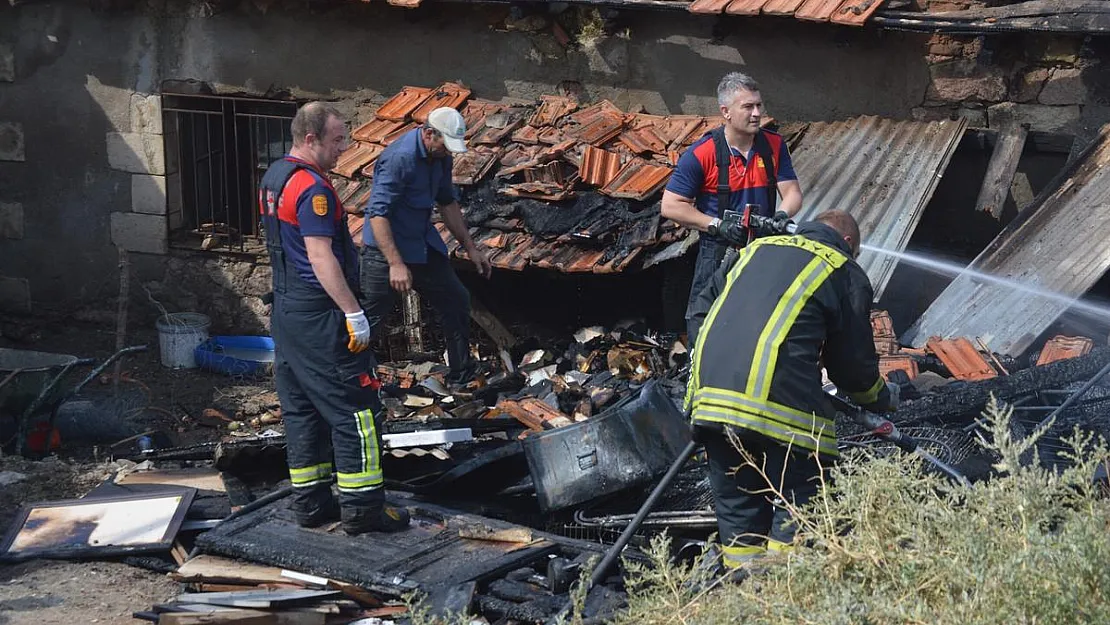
(15, 292)
(143, 226)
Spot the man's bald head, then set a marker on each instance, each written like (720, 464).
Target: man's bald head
(843, 223)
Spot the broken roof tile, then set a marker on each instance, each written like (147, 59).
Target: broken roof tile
(552, 108)
(396, 134)
(961, 358)
(817, 10)
(517, 154)
(473, 165)
(1062, 347)
(549, 172)
(543, 156)
(552, 135)
(449, 94)
(474, 113)
(359, 199)
(527, 134)
(598, 166)
(375, 130)
(745, 7)
(902, 362)
(592, 112)
(854, 12)
(355, 157)
(708, 7)
(599, 129)
(637, 180)
(538, 191)
(499, 125)
(401, 106)
(643, 141)
(782, 7)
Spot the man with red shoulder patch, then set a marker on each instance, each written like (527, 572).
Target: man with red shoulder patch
(759, 169)
(323, 369)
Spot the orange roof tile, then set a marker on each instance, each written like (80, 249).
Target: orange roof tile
(855, 12)
(396, 134)
(1062, 347)
(745, 7)
(448, 94)
(643, 141)
(375, 130)
(961, 358)
(552, 108)
(359, 154)
(901, 362)
(637, 180)
(401, 106)
(817, 10)
(598, 166)
(782, 7)
(469, 168)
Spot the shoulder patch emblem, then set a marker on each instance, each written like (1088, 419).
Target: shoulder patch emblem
(320, 204)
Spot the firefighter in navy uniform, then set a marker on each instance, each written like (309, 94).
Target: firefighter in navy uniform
(324, 370)
(762, 329)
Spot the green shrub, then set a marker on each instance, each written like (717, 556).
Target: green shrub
(887, 542)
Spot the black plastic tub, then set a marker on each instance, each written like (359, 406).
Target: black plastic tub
(625, 446)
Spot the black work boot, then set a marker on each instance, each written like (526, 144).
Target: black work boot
(381, 518)
(315, 515)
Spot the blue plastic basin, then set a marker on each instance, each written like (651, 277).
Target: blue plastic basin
(236, 355)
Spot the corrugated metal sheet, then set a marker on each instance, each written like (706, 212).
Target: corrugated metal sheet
(1059, 245)
(881, 171)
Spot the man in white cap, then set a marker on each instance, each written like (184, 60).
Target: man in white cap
(402, 250)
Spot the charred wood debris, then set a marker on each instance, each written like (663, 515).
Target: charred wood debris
(502, 524)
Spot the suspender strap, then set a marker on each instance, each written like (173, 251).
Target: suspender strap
(763, 149)
(724, 158)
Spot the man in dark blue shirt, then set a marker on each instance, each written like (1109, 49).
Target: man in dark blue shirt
(403, 250)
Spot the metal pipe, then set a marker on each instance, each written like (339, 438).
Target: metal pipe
(614, 552)
(1075, 396)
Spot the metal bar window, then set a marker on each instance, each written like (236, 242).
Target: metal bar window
(224, 147)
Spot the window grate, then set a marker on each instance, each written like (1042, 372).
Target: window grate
(223, 146)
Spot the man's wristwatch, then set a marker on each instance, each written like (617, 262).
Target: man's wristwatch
(714, 227)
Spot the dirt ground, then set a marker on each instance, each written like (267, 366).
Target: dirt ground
(168, 402)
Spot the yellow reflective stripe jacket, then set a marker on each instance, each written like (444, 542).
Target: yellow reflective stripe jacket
(762, 328)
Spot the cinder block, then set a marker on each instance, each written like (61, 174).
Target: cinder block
(11, 220)
(7, 63)
(136, 232)
(148, 194)
(11, 142)
(146, 113)
(136, 152)
(15, 295)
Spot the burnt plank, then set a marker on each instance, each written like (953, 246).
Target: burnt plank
(448, 602)
(1001, 169)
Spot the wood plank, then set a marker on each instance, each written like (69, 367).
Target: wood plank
(708, 7)
(745, 7)
(855, 12)
(260, 598)
(242, 617)
(782, 7)
(496, 330)
(214, 569)
(201, 479)
(817, 10)
(1001, 169)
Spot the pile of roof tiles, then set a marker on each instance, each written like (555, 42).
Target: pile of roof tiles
(555, 151)
(542, 388)
(947, 359)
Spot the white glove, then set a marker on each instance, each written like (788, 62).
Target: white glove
(359, 330)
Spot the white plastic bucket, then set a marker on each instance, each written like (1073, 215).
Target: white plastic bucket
(179, 334)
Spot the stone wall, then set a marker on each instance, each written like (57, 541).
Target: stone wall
(1052, 83)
